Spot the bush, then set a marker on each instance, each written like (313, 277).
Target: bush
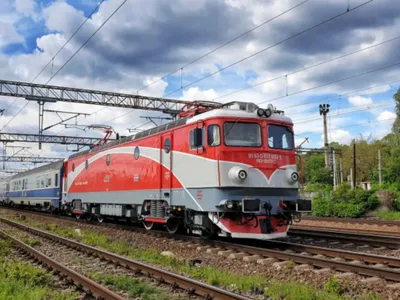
(345, 202)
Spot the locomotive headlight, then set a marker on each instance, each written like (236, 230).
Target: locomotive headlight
(260, 112)
(237, 174)
(242, 174)
(229, 204)
(268, 112)
(294, 176)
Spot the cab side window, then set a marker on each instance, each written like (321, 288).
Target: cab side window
(213, 136)
(196, 138)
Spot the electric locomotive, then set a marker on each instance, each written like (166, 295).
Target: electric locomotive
(229, 171)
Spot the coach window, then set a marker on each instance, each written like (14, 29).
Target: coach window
(56, 180)
(38, 183)
(42, 183)
(108, 159)
(86, 164)
(196, 138)
(213, 136)
(280, 137)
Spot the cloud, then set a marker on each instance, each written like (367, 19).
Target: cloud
(386, 115)
(360, 101)
(26, 7)
(195, 94)
(341, 136)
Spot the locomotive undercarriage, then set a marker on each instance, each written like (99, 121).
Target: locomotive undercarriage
(247, 218)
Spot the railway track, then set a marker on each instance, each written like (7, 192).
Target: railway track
(353, 230)
(269, 252)
(387, 241)
(192, 286)
(352, 221)
(88, 285)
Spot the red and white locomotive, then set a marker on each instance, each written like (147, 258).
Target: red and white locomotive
(229, 171)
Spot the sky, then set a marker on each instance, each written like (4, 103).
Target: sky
(348, 61)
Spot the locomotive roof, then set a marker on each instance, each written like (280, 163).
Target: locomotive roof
(236, 113)
(136, 136)
(52, 166)
(219, 112)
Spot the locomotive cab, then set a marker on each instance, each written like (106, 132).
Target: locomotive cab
(257, 191)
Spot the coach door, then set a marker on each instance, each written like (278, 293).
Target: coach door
(166, 167)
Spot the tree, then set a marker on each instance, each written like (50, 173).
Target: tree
(315, 171)
(396, 124)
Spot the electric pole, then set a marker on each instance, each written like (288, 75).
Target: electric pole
(323, 110)
(354, 166)
(334, 171)
(380, 167)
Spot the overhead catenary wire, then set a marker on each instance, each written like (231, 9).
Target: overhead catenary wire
(223, 45)
(271, 46)
(331, 82)
(73, 55)
(210, 52)
(384, 104)
(308, 89)
(341, 95)
(254, 54)
(70, 38)
(308, 68)
(349, 126)
(313, 110)
(51, 61)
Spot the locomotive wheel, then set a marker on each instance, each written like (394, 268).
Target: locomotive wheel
(100, 218)
(148, 225)
(78, 216)
(89, 217)
(172, 225)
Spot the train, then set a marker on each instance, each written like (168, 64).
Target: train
(228, 171)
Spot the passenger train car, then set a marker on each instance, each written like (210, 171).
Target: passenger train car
(229, 171)
(40, 187)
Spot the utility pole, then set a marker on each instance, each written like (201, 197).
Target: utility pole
(334, 170)
(323, 110)
(341, 169)
(380, 167)
(354, 166)
(351, 178)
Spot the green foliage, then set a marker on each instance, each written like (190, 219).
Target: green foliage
(297, 291)
(132, 286)
(345, 202)
(20, 281)
(388, 215)
(333, 286)
(315, 171)
(396, 124)
(318, 188)
(32, 243)
(211, 275)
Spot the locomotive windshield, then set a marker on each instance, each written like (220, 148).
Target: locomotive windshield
(280, 137)
(242, 134)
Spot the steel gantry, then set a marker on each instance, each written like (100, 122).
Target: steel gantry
(54, 139)
(52, 93)
(30, 159)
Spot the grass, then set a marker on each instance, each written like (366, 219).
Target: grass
(32, 243)
(132, 286)
(21, 281)
(209, 274)
(388, 215)
(300, 291)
